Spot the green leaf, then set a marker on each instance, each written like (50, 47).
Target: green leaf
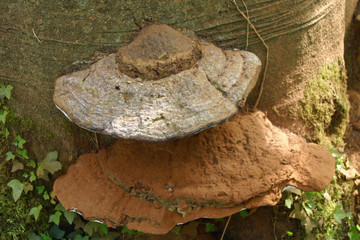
(3, 115)
(46, 196)
(31, 163)
(79, 237)
(244, 213)
(25, 175)
(35, 211)
(33, 236)
(340, 214)
(40, 189)
(5, 91)
(55, 218)
(68, 215)
(45, 237)
(7, 133)
(289, 233)
(60, 207)
(56, 232)
(23, 153)
(88, 229)
(104, 228)
(289, 201)
(9, 156)
(42, 173)
(50, 164)
(28, 187)
(309, 224)
(307, 209)
(32, 176)
(176, 230)
(20, 141)
(209, 227)
(17, 166)
(17, 188)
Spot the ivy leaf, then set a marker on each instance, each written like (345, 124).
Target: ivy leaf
(3, 115)
(31, 164)
(339, 214)
(25, 175)
(46, 196)
(28, 187)
(35, 211)
(78, 223)
(23, 153)
(33, 236)
(79, 237)
(17, 166)
(68, 215)
(209, 227)
(56, 232)
(55, 218)
(45, 237)
(289, 201)
(50, 164)
(42, 173)
(88, 229)
(309, 224)
(5, 91)
(32, 176)
(176, 230)
(40, 189)
(17, 188)
(7, 133)
(104, 228)
(20, 141)
(9, 156)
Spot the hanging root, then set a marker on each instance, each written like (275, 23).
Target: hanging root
(226, 226)
(263, 42)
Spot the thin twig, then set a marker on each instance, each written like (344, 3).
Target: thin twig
(247, 25)
(267, 53)
(226, 226)
(96, 142)
(274, 229)
(36, 36)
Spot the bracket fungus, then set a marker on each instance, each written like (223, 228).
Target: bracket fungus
(163, 85)
(151, 187)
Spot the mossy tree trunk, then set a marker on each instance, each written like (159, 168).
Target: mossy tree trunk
(40, 41)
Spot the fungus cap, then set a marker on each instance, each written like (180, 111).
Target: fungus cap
(161, 86)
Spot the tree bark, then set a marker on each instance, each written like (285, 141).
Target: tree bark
(40, 41)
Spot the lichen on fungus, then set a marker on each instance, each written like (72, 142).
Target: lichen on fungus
(326, 106)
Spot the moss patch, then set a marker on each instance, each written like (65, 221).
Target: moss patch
(326, 106)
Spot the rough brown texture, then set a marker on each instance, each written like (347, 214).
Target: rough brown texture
(354, 98)
(353, 138)
(245, 162)
(104, 99)
(159, 51)
(41, 41)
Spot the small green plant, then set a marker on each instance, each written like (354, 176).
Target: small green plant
(325, 214)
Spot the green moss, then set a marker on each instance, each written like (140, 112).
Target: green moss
(326, 106)
(340, 191)
(15, 222)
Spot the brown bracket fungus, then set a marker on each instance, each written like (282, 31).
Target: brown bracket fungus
(161, 86)
(151, 187)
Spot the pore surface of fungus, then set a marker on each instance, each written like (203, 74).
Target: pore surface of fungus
(161, 86)
(150, 187)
